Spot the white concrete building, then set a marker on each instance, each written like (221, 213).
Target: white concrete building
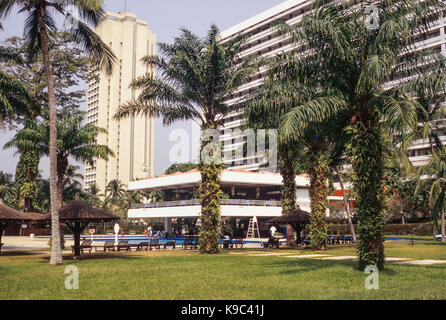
(132, 139)
(264, 41)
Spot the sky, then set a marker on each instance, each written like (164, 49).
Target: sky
(164, 18)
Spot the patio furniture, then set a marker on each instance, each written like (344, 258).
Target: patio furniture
(190, 243)
(238, 242)
(123, 245)
(154, 243)
(143, 245)
(108, 246)
(272, 243)
(86, 245)
(170, 243)
(136, 246)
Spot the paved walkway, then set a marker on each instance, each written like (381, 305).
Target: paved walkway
(338, 258)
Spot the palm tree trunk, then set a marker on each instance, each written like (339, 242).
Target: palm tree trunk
(319, 199)
(210, 198)
(366, 151)
(347, 205)
(443, 234)
(56, 252)
(288, 199)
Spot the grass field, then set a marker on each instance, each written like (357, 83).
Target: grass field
(189, 275)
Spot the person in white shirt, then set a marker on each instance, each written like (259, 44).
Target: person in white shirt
(272, 230)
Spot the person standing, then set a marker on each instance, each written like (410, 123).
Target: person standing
(272, 230)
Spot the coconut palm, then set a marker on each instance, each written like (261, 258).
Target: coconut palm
(435, 170)
(361, 66)
(38, 26)
(74, 140)
(195, 79)
(15, 98)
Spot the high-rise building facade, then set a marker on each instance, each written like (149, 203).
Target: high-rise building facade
(264, 41)
(132, 139)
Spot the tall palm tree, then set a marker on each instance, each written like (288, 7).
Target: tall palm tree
(39, 23)
(435, 170)
(74, 140)
(15, 98)
(278, 95)
(93, 195)
(196, 78)
(361, 67)
(114, 190)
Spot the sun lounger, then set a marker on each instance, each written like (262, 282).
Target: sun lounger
(237, 243)
(108, 246)
(123, 245)
(170, 243)
(190, 243)
(154, 243)
(86, 245)
(144, 245)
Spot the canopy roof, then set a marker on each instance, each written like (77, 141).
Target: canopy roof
(296, 216)
(8, 214)
(78, 211)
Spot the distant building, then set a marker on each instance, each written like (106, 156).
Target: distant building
(132, 140)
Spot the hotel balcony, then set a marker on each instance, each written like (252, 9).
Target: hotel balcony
(192, 208)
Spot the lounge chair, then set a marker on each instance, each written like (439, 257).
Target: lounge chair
(238, 242)
(170, 243)
(190, 243)
(108, 246)
(123, 245)
(137, 246)
(86, 245)
(143, 245)
(154, 243)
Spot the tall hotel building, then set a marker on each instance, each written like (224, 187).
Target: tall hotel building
(132, 140)
(264, 41)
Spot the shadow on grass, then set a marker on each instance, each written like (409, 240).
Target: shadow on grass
(19, 253)
(93, 256)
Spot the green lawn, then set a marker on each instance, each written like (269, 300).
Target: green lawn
(189, 275)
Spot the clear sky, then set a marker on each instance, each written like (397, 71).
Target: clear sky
(164, 18)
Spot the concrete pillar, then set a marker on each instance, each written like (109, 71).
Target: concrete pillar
(168, 225)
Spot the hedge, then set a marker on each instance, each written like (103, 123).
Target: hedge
(408, 229)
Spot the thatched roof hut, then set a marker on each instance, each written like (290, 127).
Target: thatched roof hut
(77, 216)
(9, 215)
(296, 216)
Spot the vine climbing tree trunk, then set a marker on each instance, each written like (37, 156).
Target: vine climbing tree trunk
(319, 197)
(210, 193)
(366, 152)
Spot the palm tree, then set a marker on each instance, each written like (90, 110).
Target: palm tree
(196, 77)
(115, 190)
(39, 23)
(6, 185)
(435, 170)
(93, 194)
(267, 107)
(15, 98)
(359, 69)
(74, 140)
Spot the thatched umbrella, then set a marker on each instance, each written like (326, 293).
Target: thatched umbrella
(297, 219)
(9, 215)
(77, 216)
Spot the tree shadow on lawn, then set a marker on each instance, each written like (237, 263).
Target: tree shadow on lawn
(92, 256)
(19, 253)
(309, 265)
